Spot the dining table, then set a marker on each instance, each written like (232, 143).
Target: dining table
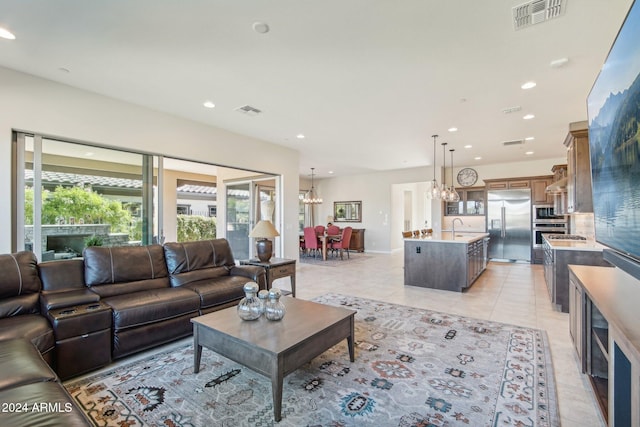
(324, 240)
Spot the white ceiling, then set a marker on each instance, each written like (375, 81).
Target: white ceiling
(366, 81)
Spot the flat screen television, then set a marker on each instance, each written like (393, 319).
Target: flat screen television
(614, 142)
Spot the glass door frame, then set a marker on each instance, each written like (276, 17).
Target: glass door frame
(256, 185)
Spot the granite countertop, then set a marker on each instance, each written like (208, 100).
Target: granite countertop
(448, 237)
(575, 245)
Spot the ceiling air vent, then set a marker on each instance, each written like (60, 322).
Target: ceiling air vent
(510, 110)
(248, 110)
(537, 11)
(514, 142)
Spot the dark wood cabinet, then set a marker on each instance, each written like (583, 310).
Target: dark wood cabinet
(603, 321)
(579, 197)
(357, 240)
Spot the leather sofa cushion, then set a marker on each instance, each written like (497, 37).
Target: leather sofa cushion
(62, 275)
(113, 271)
(19, 274)
(32, 327)
(22, 304)
(21, 363)
(19, 284)
(49, 393)
(190, 256)
(219, 291)
(141, 308)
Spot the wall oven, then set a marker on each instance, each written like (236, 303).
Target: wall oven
(547, 226)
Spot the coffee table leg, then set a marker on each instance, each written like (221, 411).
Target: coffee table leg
(197, 353)
(352, 354)
(276, 391)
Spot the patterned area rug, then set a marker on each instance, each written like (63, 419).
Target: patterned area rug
(413, 367)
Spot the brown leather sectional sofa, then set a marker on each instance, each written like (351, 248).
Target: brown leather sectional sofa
(78, 315)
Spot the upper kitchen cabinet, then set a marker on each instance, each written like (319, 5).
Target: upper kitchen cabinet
(579, 199)
(472, 202)
(509, 184)
(539, 195)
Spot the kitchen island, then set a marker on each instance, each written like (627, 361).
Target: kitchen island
(558, 255)
(445, 260)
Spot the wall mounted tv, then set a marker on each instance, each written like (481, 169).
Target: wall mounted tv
(614, 142)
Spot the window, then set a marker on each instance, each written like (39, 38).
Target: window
(67, 195)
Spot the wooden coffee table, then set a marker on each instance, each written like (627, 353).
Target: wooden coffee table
(274, 348)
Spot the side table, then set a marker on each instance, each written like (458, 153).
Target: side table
(276, 268)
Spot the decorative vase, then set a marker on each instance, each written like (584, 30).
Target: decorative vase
(250, 307)
(263, 296)
(274, 309)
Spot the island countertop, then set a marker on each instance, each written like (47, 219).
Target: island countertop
(575, 245)
(449, 237)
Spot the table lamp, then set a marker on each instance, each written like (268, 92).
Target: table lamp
(264, 230)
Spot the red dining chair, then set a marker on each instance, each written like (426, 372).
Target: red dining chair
(343, 243)
(311, 241)
(333, 230)
(319, 229)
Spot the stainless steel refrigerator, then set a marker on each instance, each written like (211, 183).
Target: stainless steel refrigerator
(509, 224)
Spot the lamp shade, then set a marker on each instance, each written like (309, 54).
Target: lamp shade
(264, 229)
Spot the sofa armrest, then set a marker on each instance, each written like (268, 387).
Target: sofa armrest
(54, 300)
(255, 273)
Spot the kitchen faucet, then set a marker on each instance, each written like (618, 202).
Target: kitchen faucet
(453, 226)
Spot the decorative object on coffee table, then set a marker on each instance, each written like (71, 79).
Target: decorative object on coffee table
(264, 230)
(276, 268)
(250, 307)
(274, 309)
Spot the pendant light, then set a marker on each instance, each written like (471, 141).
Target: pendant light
(434, 188)
(311, 198)
(453, 194)
(444, 190)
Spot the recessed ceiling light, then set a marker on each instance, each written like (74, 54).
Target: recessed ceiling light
(529, 138)
(330, 172)
(477, 158)
(468, 146)
(528, 85)
(557, 63)
(260, 27)
(528, 153)
(300, 136)
(453, 129)
(528, 117)
(6, 34)
(208, 104)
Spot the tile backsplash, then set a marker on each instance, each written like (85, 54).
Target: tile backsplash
(470, 223)
(582, 224)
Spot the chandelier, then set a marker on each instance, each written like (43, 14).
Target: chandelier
(311, 198)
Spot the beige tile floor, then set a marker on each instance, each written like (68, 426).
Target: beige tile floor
(505, 292)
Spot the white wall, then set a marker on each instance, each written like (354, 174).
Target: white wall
(37, 105)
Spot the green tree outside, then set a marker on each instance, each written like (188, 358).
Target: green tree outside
(82, 203)
(194, 227)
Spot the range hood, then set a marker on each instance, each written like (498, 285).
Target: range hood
(559, 186)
